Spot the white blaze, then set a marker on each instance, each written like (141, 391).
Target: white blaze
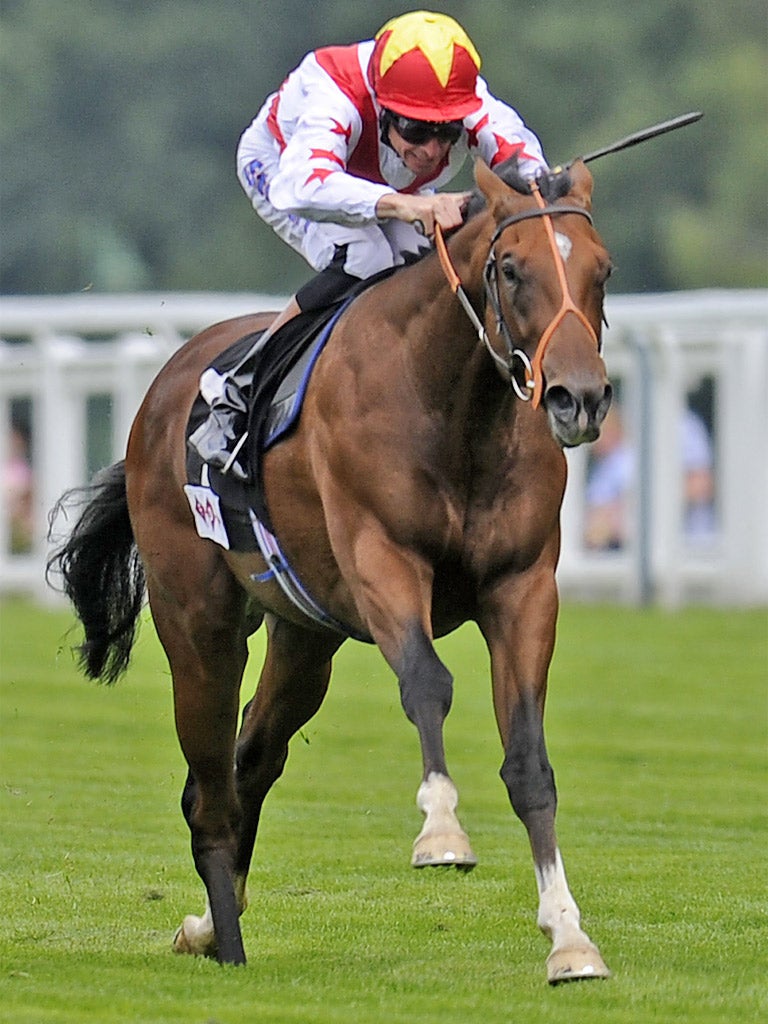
(564, 244)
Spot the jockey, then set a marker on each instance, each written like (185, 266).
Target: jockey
(345, 159)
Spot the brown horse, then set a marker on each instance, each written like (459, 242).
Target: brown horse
(418, 491)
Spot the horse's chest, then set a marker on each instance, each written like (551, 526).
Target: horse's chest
(513, 516)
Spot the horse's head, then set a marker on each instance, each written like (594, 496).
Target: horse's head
(545, 279)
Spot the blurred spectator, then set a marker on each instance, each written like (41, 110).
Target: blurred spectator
(609, 483)
(613, 473)
(700, 523)
(17, 492)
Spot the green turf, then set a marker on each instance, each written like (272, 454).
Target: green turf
(656, 726)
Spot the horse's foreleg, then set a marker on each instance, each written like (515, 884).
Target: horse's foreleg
(395, 597)
(426, 693)
(442, 841)
(527, 773)
(519, 626)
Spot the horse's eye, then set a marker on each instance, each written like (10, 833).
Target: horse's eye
(509, 271)
(605, 274)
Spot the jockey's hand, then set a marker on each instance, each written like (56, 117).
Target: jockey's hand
(443, 208)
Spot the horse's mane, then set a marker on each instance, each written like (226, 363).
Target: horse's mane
(552, 185)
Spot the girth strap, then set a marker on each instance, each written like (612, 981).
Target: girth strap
(290, 584)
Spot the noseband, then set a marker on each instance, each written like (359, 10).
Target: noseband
(533, 383)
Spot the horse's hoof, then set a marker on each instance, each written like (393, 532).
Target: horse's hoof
(436, 849)
(581, 963)
(193, 939)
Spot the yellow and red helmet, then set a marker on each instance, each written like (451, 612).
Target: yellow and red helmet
(424, 66)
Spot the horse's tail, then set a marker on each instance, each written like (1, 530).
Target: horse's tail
(101, 572)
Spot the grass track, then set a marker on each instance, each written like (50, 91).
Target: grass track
(656, 726)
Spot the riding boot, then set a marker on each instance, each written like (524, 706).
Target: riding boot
(220, 437)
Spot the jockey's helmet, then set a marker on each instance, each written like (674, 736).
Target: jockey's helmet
(424, 66)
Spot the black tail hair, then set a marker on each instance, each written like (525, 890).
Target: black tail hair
(101, 571)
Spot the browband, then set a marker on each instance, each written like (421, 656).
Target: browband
(542, 211)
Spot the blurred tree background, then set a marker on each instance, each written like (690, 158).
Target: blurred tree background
(120, 121)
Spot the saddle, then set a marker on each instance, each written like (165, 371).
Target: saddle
(274, 381)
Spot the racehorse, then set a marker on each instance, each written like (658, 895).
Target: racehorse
(420, 489)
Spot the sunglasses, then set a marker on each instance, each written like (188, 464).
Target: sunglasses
(418, 132)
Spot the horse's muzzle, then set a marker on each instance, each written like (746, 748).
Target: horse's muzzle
(576, 415)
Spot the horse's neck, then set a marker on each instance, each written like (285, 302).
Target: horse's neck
(447, 354)
(469, 423)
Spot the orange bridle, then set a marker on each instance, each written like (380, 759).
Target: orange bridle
(533, 385)
(566, 306)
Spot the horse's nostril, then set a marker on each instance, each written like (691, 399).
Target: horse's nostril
(604, 404)
(576, 416)
(561, 403)
(597, 404)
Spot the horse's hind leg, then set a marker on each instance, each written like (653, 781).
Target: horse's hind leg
(293, 683)
(204, 636)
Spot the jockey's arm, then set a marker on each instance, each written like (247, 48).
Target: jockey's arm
(443, 208)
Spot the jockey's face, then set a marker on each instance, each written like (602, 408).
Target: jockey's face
(421, 158)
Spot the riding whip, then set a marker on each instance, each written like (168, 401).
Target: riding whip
(641, 136)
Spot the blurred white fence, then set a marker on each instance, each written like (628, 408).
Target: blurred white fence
(73, 371)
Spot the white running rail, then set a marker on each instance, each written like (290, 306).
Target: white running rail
(73, 371)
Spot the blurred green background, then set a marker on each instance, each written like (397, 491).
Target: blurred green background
(120, 121)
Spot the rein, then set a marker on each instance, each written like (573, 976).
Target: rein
(533, 383)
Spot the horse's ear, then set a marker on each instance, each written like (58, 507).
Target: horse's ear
(490, 184)
(581, 184)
